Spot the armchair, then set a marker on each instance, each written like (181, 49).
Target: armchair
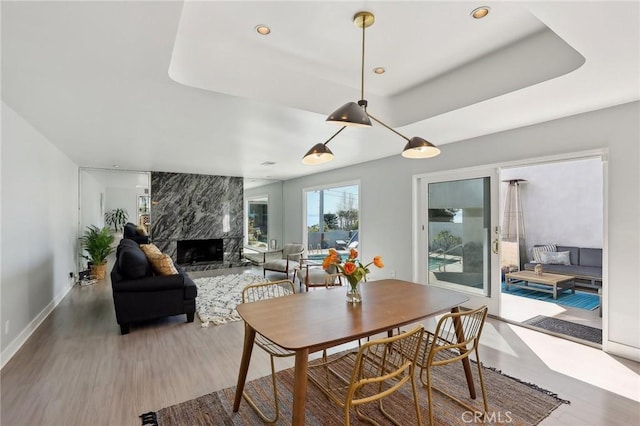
(291, 255)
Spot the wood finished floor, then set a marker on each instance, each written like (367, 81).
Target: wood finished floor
(76, 369)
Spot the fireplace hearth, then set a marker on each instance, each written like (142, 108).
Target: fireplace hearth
(197, 252)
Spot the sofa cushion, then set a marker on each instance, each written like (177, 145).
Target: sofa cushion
(162, 264)
(591, 257)
(555, 258)
(535, 251)
(574, 253)
(125, 243)
(132, 262)
(129, 230)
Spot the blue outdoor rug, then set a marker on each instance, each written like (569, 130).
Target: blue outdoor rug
(581, 300)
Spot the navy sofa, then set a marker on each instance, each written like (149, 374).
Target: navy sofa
(139, 294)
(586, 266)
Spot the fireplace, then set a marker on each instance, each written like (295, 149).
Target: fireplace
(192, 252)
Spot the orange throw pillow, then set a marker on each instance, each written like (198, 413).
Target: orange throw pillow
(163, 264)
(150, 249)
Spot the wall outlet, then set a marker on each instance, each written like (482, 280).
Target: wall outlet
(6, 327)
(70, 274)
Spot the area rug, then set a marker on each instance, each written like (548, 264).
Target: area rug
(580, 299)
(567, 328)
(218, 297)
(510, 401)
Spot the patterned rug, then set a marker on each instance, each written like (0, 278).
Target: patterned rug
(218, 297)
(511, 401)
(580, 299)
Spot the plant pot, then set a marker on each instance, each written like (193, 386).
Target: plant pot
(100, 271)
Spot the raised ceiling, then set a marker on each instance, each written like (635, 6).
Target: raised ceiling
(191, 87)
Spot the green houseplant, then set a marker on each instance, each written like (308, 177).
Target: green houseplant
(98, 245)
(116, 217)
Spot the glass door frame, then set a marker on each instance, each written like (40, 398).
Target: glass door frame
(420, 231)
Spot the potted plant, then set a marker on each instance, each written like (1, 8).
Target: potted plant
(116, 217)
(97, 243)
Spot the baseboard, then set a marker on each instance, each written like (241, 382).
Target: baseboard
(24, 335)
(623, 351)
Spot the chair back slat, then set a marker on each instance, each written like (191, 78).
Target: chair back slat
(447, 337)
(268, 290)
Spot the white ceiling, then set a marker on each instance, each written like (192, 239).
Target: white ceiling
(190, 87)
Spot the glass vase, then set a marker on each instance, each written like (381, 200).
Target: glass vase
(353, 293)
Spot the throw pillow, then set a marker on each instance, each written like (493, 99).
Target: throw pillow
(162, 264)
(535, 251)
(150, 249)
(141, 230)
(132, 263)
(555, 258)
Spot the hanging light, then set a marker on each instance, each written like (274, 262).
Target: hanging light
(354, 114)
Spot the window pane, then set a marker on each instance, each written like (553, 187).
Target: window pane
(258, 223)
(332, 219)
(458, 233)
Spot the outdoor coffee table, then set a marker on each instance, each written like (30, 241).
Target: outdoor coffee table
(521, 279)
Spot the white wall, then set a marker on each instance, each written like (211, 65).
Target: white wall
(39, 228)
(92, 201)
(386, 194)
(562, 202)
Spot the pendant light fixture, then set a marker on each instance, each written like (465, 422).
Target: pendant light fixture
(354, 114)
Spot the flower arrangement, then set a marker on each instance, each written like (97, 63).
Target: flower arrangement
(352, 268)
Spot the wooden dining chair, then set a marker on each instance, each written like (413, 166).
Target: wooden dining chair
(379, 368)
(254, 293)
(456, 337)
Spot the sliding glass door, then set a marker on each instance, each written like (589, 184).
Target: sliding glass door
(458, 234)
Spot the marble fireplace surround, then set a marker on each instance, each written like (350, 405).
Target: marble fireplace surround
(198, 207)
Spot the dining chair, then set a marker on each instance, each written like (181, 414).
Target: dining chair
(456, 337)
(379, 368)
(254, 293)
(313, 275)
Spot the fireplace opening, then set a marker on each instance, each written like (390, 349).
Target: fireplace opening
(191, 252)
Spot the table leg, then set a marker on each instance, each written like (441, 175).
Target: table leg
(249, 337)
(466, 364)
(300, 386)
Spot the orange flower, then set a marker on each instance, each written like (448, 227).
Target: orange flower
(378, 261)
(349, 268)
(353, 253)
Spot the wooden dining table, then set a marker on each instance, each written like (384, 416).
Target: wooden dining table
(313, 321)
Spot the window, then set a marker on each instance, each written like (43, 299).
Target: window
(332, 219)
(258, 222)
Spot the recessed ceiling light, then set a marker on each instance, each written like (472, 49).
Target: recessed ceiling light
(263, 29)
(379, 70)
(480, 12)
(115, 166)
(267, 163)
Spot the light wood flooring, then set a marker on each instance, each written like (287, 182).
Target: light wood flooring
(77, 369)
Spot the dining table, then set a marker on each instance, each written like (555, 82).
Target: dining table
(313, 321)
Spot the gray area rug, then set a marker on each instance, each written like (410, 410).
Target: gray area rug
(511, 401)
(218, 297)
(567, 328)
